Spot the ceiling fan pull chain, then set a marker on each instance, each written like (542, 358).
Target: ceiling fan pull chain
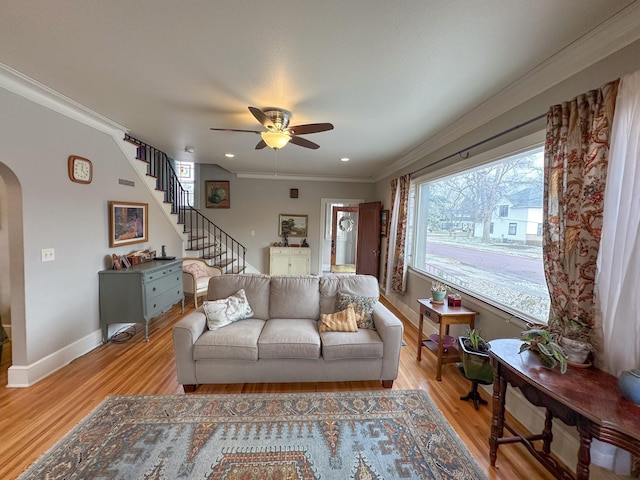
(275, 162)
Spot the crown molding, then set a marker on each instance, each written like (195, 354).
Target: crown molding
(307, 178)
(24, 86)
(607, 38)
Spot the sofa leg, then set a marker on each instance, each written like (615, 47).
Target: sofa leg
(189, 388)
(387, 383)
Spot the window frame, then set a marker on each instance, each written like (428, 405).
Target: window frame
(521, 145)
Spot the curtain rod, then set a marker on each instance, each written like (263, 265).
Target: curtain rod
(482, 142)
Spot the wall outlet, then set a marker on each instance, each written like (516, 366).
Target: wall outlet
(48, 254)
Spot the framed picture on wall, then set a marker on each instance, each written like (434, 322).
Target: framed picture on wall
(292, 225)
(384, 223)
(217, 193)
(128, 223)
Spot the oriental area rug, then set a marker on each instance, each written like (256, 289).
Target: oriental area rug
(334, 436)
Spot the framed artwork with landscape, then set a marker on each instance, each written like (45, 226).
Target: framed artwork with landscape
(128, 223)
(292, 225)
(217, 193)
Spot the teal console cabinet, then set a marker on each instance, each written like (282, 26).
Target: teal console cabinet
(139, 293)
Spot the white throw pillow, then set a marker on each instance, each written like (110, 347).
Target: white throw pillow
(225, 311)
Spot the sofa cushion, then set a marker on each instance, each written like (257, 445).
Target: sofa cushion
(289, 338)
(225, 311)
(365, 285)
(362, 305)
(295, 296)
(256, 288)
(238, 341)
(364, 343)
(342, 321)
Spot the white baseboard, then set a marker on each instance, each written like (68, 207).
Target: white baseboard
(22, 376)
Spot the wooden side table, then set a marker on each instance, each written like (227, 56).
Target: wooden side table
(586, 398)
(443, 315)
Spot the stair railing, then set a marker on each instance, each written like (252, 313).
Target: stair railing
(217, 246)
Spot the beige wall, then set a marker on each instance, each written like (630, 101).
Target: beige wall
(256, 204)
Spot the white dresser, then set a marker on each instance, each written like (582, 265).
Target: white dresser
(289, 260)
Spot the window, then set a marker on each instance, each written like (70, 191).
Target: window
(464, 238)
(186, 176)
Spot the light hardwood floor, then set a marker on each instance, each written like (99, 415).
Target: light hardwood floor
(33, 419)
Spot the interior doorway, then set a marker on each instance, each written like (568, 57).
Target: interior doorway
(344, 238)
(326, 229)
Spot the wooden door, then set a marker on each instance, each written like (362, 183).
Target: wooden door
(368, 257)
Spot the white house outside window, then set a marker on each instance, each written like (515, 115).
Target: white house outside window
(479, 230)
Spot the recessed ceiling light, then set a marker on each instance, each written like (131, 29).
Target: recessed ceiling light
(229, 155)
(344, 159)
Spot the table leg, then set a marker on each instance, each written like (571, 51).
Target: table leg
(497, 421)
(420, 324)
(547, 433)
(584, 452)
(443, 330)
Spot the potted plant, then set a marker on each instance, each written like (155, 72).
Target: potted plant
(538, 339)
(438, 291)
(475, 357)
(574, 336)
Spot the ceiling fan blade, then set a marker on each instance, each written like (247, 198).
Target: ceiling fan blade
(260, 145)
(303, 142)
(310, 128)
(232, 130)
(262, 118)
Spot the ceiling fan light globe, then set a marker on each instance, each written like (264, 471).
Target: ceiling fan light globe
(275, 140)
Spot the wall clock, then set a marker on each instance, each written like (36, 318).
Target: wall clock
(80, 169)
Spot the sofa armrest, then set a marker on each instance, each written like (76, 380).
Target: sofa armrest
(185, 334)
(390, 329)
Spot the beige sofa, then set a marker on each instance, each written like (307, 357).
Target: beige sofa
(281, 342)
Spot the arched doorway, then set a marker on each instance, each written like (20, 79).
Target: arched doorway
(12, 294)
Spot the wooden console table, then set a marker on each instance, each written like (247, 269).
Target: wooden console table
(586, 398)
(444, 316)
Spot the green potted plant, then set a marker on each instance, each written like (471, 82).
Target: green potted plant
(539, 339)
(475, 357)
(574, 336)
(438, 291)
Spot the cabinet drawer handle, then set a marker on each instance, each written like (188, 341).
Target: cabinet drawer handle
(427, 313)
(154, 289)
(154, 305)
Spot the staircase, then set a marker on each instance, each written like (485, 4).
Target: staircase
(203, 238)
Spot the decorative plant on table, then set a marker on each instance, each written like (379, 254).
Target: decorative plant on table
(574, 336)
(538, 339)
(438, 291)
(475, 359)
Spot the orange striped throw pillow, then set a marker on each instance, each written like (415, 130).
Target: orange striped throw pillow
(342, 321)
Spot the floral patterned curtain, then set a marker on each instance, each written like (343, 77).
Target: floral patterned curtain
(576, 157)
(396, 262)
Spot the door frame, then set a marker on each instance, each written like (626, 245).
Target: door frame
(323, 221)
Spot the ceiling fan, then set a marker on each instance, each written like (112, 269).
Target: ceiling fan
(279, 133)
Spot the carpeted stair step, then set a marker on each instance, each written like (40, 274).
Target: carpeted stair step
(236, 269)
(223, 263)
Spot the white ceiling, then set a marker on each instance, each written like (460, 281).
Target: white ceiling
(389, 75)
